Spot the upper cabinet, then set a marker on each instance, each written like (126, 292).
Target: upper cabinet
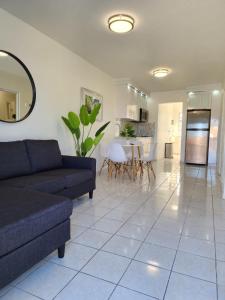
(128, 101)
(199, 100)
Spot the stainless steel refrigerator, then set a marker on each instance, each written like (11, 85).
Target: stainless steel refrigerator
(197, 136)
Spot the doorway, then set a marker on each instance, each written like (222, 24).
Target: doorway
(9, 105)
(170, 116)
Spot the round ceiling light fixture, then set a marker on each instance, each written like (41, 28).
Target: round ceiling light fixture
(161, 72)
(121, 23)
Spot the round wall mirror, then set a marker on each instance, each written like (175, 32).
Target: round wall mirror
(17, 89)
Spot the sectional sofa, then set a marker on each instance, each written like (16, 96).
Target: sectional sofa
(37, 184)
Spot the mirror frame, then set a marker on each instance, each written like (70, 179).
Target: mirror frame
(32, 87)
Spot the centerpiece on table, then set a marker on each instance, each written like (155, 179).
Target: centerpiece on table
(128, 131)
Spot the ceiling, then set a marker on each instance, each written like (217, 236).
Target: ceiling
(185, 35)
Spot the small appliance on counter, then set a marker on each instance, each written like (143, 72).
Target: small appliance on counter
(143, 115)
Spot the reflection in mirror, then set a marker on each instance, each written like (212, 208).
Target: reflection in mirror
(17, 90)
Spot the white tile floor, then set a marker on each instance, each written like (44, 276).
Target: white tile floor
(136, 241)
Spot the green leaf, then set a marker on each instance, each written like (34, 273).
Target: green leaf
(101, 129)
(67, 123)
(86, 146)
(98, 138)
(74, 120)
(77, 133)
(84, 117)
(94, 113)
(83, 150)
(88, 143)
(78, 153)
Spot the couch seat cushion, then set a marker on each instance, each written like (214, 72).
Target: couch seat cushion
(37, 182)
(27, 214)
(72, 177)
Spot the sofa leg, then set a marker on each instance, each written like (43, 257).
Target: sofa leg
(90, 194)
(61, 251)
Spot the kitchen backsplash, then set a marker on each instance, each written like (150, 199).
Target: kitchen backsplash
(141, 129)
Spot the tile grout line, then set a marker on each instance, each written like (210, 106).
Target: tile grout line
(118, 284)
(217, 290)
(171, 271)
(16, 286)
(154, 189)
(26, 292)
(90, 226)
(80, 271)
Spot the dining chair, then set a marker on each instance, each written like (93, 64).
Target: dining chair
(147, 160)
(137, 152)
(118, 160)
(104, 154)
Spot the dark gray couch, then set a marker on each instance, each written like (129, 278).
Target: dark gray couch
(36, 185)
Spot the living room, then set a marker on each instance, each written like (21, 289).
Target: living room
(145, 228)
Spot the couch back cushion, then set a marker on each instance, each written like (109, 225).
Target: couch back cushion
(14, 160)
(44, 154)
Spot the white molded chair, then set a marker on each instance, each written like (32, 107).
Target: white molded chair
(147, 160)
(104, 152)
(118, 160)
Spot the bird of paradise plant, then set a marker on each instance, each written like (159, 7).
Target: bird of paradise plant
(84, 143)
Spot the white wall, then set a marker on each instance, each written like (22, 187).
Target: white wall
(167, 131)
(221, 148)
(58, 74)
(169, 97)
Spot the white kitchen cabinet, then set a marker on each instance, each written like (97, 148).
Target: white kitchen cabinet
(199, 100)
(128, 102)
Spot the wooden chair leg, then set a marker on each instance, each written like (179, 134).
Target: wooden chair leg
(126, 170)
(108, 163)
(153, 172)
(103, 164)
(148, 166)
(119, 169)
(111, 165)
(141, 168)
(116, 170)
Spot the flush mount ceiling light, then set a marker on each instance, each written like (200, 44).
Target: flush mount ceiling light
(216, 92)
(121, 23)
(161, 72)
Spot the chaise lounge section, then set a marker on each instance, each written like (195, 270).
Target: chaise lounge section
(37, 184)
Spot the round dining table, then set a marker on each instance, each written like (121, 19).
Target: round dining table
(133, 152)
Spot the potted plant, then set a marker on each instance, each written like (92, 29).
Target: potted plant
(80, 128)
(128, 131)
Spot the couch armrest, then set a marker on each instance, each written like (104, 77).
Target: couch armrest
(75, 162)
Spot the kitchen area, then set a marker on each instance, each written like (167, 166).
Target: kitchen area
(161, 118)
(134, 120)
